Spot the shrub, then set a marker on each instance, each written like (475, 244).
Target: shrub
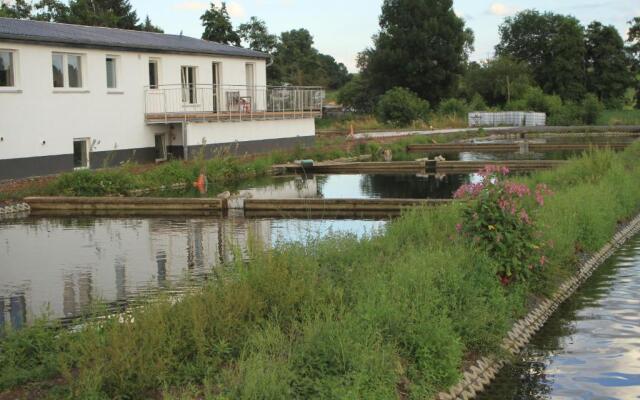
(95, 183)
(591, 109)
(569, 114)
(477, 103)
(500, 221)
(536, 100)
(400, 107)
(453, 107)
(356, 95)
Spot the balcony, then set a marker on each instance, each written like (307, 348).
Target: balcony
(226, 103)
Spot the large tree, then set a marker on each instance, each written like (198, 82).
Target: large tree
(107, 13)
(18, 9)
(296, 60)
(553, 45)
(218, 27)
(422, 45)
(256, 35)
(608, 72)
(634, 53)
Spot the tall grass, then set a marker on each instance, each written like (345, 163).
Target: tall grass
(393, 315)
(619, 117)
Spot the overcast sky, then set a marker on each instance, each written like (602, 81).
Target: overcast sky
(342, 28)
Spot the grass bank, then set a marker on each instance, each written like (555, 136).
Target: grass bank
(224, 171)
(619, 117)
(395, 315)
(363, 123)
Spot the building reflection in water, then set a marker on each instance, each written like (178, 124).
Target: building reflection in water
(17, 311)
(76, 294)
(161, 261)
(121, 279)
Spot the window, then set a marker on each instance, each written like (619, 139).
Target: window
(67, 70)
(188, 77)
(7, 73)
(81, 153)
(153, 74)
(111, 63)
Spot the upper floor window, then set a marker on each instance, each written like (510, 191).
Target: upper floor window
(7, 69)
(67, 70)
(112, 71)
(154, 78)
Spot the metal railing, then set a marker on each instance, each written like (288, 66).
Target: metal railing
(170, 103)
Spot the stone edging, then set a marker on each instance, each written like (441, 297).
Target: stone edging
(12, 209)
(482, 372)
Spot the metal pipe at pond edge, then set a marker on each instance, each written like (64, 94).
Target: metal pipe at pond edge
(481, 373)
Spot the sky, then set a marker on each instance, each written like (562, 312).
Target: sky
(342, 28)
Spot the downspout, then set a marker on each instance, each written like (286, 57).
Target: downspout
(185, 147)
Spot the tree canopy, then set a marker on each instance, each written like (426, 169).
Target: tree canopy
(422, 45)
(608, 72)
(217, 26)
(498, 80)
(106, 13)
(256, 36)
(552, 45)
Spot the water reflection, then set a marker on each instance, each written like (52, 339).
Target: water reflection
(590, 348)
(62, 265)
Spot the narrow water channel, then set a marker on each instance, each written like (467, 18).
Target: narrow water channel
(590, 348)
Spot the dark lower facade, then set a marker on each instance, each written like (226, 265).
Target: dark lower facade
(19, 168)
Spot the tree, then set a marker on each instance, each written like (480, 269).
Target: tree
(498, 80)
(421, 45)
(19, 9)
(107, 13)
(256, 35)
(552, 45)
(356, 95)
(335, 73)
(148, 26)
(296, 60)
(218, 27)
(51, 11)
(608, 73)
(634, 52)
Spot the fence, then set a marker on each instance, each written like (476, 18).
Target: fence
(232, 102)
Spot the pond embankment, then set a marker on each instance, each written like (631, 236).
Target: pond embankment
(394, 315)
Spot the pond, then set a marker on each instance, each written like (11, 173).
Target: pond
(590, 348)
(65, 264)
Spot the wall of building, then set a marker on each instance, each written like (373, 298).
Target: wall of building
(39, 122)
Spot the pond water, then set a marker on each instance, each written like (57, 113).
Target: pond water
(65, 264)
(590, 348)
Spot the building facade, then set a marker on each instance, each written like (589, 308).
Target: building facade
(75, 97)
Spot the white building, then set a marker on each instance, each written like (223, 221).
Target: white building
(88, 97)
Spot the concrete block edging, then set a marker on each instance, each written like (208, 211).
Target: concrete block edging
(476, 377)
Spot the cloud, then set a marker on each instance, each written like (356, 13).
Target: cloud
(234, 8)
(502, 10)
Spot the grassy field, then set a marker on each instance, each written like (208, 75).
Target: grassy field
(392, 316)
(363, 123)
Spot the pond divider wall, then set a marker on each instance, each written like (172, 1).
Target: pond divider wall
(305, 207)
(510, 147)
(412, 167)
(476, 377)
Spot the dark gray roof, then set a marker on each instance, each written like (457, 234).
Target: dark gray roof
(111, 38)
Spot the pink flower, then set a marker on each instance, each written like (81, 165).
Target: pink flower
(543, 261)
(524, 217)
(459, 228)
(541, 191)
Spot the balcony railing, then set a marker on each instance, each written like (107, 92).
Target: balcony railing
(177, 103)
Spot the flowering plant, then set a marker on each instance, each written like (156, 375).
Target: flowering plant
(499, 219)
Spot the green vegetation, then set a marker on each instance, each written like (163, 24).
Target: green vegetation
(393, 315)
(619, 117)
(401, 107)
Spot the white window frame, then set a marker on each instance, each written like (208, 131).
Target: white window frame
(88, 150)
(158, 62)
(15, 60)
(117, 71)
(65, 72)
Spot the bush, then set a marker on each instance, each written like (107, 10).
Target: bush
(569, 114)
(536, 100)
(357, 95)
(400, 107)
(477, 103)
(500, 221)
(453, 107)
(591, 109)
